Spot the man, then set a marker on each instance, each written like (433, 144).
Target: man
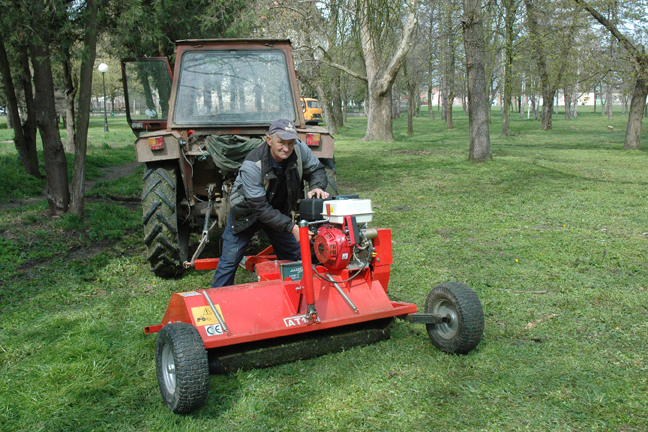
(265, 192)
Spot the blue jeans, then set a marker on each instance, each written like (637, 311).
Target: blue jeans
(285, 245)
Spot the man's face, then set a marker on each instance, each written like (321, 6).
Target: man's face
(280, 149)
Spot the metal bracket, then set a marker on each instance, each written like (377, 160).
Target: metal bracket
(425, 318)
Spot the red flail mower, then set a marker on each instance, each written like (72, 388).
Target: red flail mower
(334, 299)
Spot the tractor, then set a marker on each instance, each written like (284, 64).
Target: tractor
(194, 127)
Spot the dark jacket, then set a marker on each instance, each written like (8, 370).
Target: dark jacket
(256, 185)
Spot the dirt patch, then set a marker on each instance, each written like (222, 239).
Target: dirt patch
(79, 254)
(108, 174)
(113, 173)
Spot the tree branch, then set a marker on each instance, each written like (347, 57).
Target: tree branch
(640, 57)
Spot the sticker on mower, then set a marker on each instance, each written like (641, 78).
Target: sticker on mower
(204, 316)
(296, 320)
(213, 330)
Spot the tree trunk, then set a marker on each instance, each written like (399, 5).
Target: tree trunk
(449, 93)
(28, 156)
(395, 103)
(430, 107)
(336, 100)
(474, 46)
(567, 105)
(70, 94)
(85, 97)
(509, 20)
(608, 99)
(29, 127)
(633, 129)
(57, 193)
(326, 107)
(547, 108)
(411, 108)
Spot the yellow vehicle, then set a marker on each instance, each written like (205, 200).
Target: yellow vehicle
(312, 110)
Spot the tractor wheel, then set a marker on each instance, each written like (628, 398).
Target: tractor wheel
(465, 318)
(182, 367)
(331, 177)
(166, 238)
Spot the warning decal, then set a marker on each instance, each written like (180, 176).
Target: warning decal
(203, 315)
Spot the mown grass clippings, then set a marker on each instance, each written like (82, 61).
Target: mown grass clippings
(568, 205)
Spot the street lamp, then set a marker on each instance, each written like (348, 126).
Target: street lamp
(103, 68)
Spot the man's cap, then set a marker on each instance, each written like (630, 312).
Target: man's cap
(284, 129)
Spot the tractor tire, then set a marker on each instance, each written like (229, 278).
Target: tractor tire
(465, 327)
(331, 177)
(166, 238)
(182, 367)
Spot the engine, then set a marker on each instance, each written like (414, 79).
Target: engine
(343, 239)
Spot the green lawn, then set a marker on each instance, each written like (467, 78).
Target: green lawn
(552, 235)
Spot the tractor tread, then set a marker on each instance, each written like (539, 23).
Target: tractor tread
(164, 238)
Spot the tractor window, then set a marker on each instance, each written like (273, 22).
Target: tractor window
(149, 89)
(313, 104)
(233, 87)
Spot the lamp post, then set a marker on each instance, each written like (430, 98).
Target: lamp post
(103, 68)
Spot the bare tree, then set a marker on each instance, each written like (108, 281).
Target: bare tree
(550, 73)
(381, 74)
(83, 120)
(637, 105)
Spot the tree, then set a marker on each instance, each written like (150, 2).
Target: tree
(633, 129)
(85, 94)
(478, 107)
(382, 68)
(25, 147)
(551, 47)
(510, 13)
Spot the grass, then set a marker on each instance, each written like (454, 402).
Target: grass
(552, 235)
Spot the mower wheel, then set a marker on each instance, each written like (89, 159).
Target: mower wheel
(463, 327)
(166, 238)
(182, 367)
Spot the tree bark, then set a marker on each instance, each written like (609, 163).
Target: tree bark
(70, 94)
(28, 156)
(85, 97)
(57, 193)
(474, 46)
(633, 130)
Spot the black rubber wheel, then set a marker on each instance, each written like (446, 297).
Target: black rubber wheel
(182, 367)
(464, 325)
(331, 176)
(166, 238)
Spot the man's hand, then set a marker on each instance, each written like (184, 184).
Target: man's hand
(318, 193)
(295, 231)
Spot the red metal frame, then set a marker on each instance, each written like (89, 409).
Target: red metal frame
(274, 307)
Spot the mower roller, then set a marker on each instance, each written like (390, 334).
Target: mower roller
(298, 310)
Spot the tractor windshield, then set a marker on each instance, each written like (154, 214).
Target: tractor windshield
(233, 87)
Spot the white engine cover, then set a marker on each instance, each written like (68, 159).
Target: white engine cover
(336, 210)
